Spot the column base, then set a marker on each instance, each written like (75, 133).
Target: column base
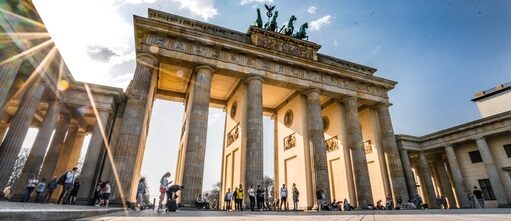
(504, 206)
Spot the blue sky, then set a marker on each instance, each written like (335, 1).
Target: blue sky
(440, 52)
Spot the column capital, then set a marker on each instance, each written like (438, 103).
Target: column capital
(254, 77)
(202, 67)
(311, 90)
(348, 99)
(382, 105)
(144, 58)
(478, 138)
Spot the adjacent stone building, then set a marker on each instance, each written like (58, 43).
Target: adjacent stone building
(451, 162)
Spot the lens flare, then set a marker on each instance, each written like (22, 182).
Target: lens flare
(63, 85)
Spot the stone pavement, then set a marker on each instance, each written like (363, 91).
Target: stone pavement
(404, 215)
(41, 211)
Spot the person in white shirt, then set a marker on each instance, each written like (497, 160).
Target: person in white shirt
(251, 196)
(68, 185)
(31, 185)
(283, 197)
(39, 190)
(228, 199)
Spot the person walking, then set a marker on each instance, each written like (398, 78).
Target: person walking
(251, 196)
(31, 185)
(471, 199)
(164, 182)
(296, 195)
(260, 198)
(283, 197)
(140, 193)
(39, 190)
(52, 185)
(228, 199)
(74, 192)
(67, 180)
(479, 196)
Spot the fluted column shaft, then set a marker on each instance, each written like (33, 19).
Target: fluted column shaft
(8, 73)
(317, 140)
(66, 150)
(397, 177)
(3, 130)
(459, 185)
(426, 178)
(254, 150)
(36, 155)
(356, 144)
(493, 173)
(91, 164)
(53, 153)
(18, 129)
(193, 169)
(408, 173)
(444, 182)
(134, 124)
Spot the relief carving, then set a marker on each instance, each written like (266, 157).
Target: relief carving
(332, 144)
(289, 141)
(233, 135)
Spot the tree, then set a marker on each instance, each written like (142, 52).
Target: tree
(269, 186)
(214, 195)
(16, 172)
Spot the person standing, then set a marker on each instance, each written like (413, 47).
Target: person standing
(228, 199)
(471, 199)
(260, 198)
(251, 196)
(479, 196)
(319, 196)
(105, 193)
(97, 193)
(69, 180)
(31, 185)
(296, 195)
(39, 190)
(236, 199)
(239, 197)
(164, 182)
(52, 185)
(283, 197)
(74, 192)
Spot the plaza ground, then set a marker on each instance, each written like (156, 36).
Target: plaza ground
(415, 215)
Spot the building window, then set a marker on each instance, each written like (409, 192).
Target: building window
(507, 148)
(475, 156)
(486, 189)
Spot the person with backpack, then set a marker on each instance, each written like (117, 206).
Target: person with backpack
(39, 190)
(67, 181)
(52, 185)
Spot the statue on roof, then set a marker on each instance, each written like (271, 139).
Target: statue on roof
(290, 28)
(302, 33)
(259, 20)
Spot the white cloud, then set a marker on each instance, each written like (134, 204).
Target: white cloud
(335, 42)
(202, 8)
(376, 50)
(136, 2)
(317, 24)
(312, 10)
(244, 2)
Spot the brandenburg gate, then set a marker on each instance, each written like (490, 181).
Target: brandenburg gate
(332, 125)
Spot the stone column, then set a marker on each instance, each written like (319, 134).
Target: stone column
(254, 150)
(397, 177)
(63, 164)
(36, 156)
(356, 144)
(52, 155)
(457, 177)
(426, 178)
(3, 130)
(444, 182)
(18, 129)
(493, 172)
(408, 173)
(193, 169)
(88, 175)
(8, 73)
(317, 140)
(134, 124)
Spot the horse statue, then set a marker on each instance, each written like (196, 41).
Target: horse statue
(303, 32)
(272, 25)
(259, 21)
(290, 28)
